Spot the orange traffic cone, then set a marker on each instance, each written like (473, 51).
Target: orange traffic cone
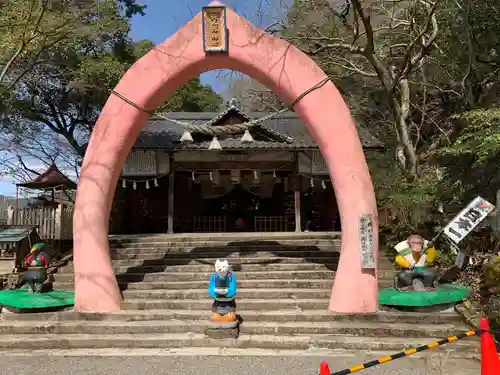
(324, 369)
(490, 362)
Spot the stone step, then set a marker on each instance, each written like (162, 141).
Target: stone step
(175, 248)
(183, 340)
(458, 363)
(206, 304)
(262, 284)
(355, 328)
(283, 315)
(240, 260)
(242, 293)
(254, 275)
(221, 254)
(207, 268)
(186, 285)
(241, 303)
(151, 267)
(225, 237)
(292, 245)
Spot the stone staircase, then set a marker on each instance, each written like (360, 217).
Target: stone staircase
(284, 284)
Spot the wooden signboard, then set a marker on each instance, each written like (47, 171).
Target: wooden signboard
(468, 219)
(366, 242)
(215, 35)
(140, 163)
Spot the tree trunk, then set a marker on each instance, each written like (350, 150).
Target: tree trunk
(402, 112)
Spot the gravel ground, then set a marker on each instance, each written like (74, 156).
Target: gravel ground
(185, 365)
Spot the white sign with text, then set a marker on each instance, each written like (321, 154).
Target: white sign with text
(468, 219)
(366, 242)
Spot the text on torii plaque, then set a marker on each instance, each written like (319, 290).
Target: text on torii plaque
(214, 29)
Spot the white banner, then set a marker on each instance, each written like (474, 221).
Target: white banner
(366, 242)
(468, 219)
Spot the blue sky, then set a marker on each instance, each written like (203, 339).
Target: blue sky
(7, 187)
(164, 17)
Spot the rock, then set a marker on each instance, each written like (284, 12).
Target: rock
(224, 333)
(222, 325)
(226, 330)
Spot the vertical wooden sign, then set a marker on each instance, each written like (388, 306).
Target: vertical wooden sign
(366, 242)
(215, 34)
(468, 219)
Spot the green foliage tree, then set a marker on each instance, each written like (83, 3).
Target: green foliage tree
(408, 70)
(58, 88)
(193, 97)
(47, 46)
(31, 29)
(471, 160)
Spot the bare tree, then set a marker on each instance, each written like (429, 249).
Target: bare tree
(384, 42)
(26, 153)
(253, 96)
(30, 28)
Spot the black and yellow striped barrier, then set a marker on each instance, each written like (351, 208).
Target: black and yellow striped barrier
(325, 371)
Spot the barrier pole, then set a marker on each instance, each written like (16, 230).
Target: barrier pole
(402, 354)
(490, 362)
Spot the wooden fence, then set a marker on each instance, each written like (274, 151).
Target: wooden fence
(52, 223)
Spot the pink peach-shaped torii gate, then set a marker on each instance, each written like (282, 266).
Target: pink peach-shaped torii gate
(149, 83)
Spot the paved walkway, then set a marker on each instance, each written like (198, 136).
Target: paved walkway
(168, 362)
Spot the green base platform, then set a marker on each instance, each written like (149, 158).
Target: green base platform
(444, 294)
(20, 300)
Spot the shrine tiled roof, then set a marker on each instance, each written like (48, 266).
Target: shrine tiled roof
(284, 131)
(50, 179)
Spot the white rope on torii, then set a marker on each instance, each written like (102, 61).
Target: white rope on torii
(217, 131)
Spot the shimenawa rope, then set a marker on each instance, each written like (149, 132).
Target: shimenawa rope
(226, 129)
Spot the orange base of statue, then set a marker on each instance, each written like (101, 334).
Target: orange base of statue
(229, 317)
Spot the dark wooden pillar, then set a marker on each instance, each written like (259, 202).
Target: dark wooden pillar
(298, 226)
(171, 189)
(296, 193)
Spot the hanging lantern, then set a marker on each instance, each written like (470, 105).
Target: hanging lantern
(215, 145)
(134, 185)
(156, 182)
(124, 184)
(147, 184)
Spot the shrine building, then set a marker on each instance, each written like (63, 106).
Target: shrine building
(269, 177)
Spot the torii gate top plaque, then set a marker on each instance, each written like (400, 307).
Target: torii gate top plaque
(215, 33)
(154, 78)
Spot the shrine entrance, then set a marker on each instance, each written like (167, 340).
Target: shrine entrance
(219, 38)
(238, 207)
